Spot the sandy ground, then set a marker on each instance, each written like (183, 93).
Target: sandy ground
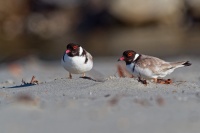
(116, 105)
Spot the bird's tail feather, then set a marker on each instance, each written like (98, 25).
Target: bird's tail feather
(187, 63)
(181, 64)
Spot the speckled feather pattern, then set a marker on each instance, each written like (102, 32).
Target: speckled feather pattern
(152, 67)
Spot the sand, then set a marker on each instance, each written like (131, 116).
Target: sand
(58, 104)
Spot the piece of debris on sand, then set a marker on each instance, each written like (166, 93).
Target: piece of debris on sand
(32, 82)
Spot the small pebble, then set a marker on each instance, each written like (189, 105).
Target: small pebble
(198, 94)
(174, 91)
(107, 95)
(9, 81)
(182, 99)
(160, 101)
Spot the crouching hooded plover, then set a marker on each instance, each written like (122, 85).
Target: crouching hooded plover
(149, 67)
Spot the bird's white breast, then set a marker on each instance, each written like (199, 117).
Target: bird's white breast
(140, 72)
(76, 64)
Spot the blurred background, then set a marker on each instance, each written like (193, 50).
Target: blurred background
(43, 28)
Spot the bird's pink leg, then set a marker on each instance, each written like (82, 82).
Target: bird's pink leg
(70, 76)
(84, 75)
(155, 80)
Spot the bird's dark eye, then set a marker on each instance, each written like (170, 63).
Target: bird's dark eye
(130, 54)
(75, 47)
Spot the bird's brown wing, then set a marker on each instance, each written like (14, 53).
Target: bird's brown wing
(156, 65)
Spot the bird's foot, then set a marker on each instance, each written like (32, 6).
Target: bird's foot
(164, 81)
(143, 81)
(85, 77)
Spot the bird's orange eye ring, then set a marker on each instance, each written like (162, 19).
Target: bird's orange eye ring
(75, 47)
(130, 54)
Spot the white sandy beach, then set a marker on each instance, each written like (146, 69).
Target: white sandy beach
(58, 104)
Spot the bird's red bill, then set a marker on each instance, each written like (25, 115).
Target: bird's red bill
(121, 58)
(67, 51)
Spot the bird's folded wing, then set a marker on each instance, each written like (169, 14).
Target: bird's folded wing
(89, 55)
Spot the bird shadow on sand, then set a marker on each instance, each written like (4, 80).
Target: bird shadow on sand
(22, 85)
(26, 84)
(95, 76)
(93, 79)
